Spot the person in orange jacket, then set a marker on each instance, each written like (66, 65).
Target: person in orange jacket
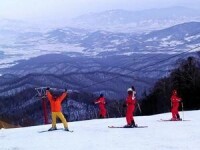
(175, 105)
(130, 104)
(101, 102)
(56, 108)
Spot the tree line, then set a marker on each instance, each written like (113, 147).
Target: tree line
(185, 78)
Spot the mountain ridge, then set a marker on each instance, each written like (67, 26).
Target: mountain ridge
(113, 20)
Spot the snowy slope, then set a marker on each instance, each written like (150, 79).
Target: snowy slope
(94, 134)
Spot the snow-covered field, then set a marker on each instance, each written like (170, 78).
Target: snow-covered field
(95, 135)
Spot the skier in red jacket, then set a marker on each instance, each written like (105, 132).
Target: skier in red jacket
(130, 104)
(175, 105)
(56, 108)
(101, 102)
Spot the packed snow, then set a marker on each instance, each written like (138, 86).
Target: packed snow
(95, 134)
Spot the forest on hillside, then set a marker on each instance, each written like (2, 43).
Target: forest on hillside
(25, 108)
(185, 78)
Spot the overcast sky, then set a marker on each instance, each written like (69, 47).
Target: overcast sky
(50, 10)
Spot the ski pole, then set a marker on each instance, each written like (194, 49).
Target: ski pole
(182, 109)
(139, 108)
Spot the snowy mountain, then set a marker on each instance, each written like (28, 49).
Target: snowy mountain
(137, 21)
(110, 75)
(95, 134)
(93, 57)
(80, 42)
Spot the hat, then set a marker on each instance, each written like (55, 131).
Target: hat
(101, 95)
(129, 89)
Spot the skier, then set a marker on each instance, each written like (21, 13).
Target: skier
(130, 104)
(55, 102)
(175, 105)
(101, 102)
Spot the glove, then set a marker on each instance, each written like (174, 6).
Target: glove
(47, 88)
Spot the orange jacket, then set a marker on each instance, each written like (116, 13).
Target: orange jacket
(56, 103)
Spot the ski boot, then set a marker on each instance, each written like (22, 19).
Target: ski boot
(133, 125)
(52, 128)
(178, 117)
(128, 126)
(66, 129)
(174, 119)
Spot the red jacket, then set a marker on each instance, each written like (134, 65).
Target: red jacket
(56, 103)
(101, 102)
(175, 99)
(130, 102)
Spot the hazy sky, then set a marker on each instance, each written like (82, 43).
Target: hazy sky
(50, 10)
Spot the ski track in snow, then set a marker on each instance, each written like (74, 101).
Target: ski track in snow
(95, 134)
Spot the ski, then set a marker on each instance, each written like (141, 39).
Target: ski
(171, 120)
(55, 130)
(126, 127)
